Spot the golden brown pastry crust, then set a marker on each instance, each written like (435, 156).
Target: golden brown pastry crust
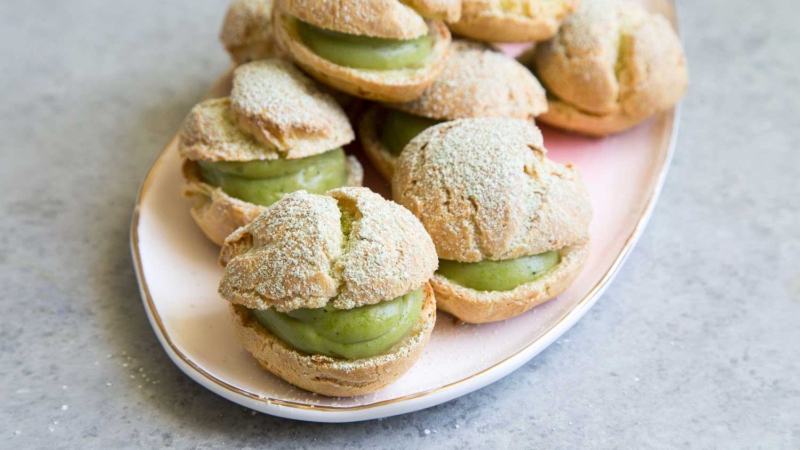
(333, 376)
(284, 109)
(611, 66)
(218, 214)
(247, 30)
(484, 189)
(298, 255)
(473, 306)
(389, 19)
(380, 85)
(512, 20)
(478, 81)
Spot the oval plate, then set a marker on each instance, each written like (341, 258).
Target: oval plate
(177, 270)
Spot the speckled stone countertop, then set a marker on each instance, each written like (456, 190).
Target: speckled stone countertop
(695, 345)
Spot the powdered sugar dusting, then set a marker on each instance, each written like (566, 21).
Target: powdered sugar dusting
(484, 189)
(478, 81)
(296, 254)
(283, 108)
(391, 19)
(613, 60)
(210, 133)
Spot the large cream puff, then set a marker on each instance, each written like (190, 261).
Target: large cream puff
(510, 226)
(330, 292)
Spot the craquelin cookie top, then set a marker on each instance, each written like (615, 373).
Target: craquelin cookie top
(247, 30)
(350, 246)
(274, 111)
(484, 189)
(479, 82)
(614, 57)
(210, 133)
(283, 108)
(390, 19)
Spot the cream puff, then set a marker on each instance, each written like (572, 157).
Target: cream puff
(378, 50)
(512, 20)
(331, 292)
(477, 81)
(511, 227)
(277, 133)
(610, 67)
(247, 31)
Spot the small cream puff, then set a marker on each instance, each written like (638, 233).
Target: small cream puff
(511, 227)
(610, 67)
(277, 133)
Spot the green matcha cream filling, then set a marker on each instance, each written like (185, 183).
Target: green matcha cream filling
(345, 333)
(498, 275)
(265, 182)
(364, 52)
(399, 128)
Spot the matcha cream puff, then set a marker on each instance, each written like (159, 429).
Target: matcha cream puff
(510, 226)
(277, 133)
(331, 292)
(379, 50)
(611, 66)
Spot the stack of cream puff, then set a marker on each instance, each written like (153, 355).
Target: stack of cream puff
(335, 289)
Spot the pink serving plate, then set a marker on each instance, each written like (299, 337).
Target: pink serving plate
(178, 275)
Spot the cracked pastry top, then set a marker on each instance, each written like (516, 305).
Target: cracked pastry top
(349, 247)
(510, 226)
(611, 66)
(276, 133)
(334, 286)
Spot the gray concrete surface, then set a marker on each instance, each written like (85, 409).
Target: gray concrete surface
(696, 344)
